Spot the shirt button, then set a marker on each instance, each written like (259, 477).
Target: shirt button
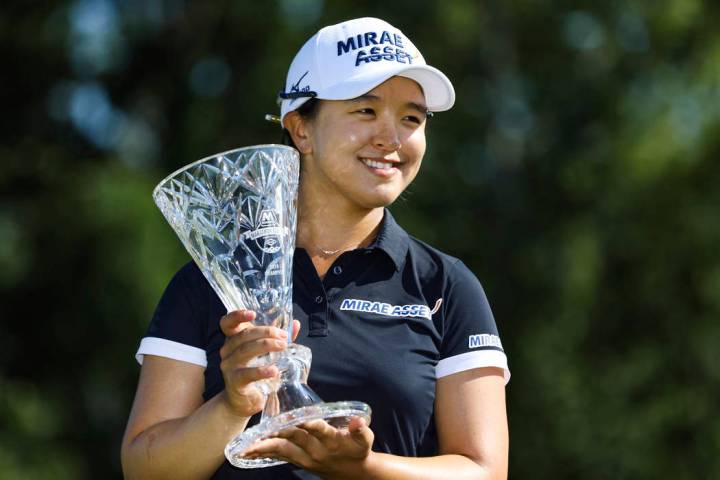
(337, 270)
(318, 299)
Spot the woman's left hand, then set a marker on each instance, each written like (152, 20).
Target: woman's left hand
(320, 448)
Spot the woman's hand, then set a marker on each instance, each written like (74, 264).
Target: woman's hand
(320, 448)
(245, 341)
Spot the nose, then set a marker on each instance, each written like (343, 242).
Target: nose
(386, 137)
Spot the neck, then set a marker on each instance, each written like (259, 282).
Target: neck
(334, 226)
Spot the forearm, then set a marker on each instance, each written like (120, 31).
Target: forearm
(185, 448)
(381, 466)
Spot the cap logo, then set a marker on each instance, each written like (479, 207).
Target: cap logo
(370, 49)
(296, 86)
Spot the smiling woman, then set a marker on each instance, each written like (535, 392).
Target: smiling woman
(362, 153)
(391, 321)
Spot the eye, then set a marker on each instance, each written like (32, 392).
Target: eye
(365, 111)
(413, 119)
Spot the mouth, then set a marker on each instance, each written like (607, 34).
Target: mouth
(379, 164)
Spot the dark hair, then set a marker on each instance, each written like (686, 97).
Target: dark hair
(307, 110)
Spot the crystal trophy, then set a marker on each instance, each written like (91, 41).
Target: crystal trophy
(235, 213)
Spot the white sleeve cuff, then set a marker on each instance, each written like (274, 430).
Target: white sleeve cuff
(169, 349)
(476, 359)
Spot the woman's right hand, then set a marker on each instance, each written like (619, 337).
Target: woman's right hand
(245, 341)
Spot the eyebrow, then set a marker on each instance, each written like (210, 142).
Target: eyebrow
(414, 105)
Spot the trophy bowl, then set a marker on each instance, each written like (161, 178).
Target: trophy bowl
(236, 214)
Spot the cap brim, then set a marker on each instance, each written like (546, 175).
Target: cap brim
(438, 90)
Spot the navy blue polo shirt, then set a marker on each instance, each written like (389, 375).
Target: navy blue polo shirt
(383, 325)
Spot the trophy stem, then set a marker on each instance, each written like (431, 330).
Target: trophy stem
(290, 402)
(291, 391)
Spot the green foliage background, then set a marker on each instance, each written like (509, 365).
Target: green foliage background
(577, 176)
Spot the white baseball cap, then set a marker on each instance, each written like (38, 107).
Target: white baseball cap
(344, 61)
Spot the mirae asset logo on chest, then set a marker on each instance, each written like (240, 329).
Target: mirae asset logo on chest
(356, 305)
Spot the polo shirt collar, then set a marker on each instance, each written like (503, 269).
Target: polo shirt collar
(392, 240)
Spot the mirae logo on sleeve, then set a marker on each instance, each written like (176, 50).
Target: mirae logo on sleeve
(484, 340)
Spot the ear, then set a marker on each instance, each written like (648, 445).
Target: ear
(297, 126)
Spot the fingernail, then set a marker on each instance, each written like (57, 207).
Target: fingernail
(279, 343)
(282, 333)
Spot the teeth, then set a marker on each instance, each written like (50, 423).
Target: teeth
(375, 164)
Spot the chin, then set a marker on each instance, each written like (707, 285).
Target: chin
(378, 201)
(375, 197)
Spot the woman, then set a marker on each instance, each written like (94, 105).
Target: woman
(391, 321)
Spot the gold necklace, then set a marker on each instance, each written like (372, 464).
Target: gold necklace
(329, 253)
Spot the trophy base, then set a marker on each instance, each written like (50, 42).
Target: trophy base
(337, 414)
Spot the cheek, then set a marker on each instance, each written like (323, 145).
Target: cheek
(337, 148)
(415, 146)
(414, 172)
(333, 139)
